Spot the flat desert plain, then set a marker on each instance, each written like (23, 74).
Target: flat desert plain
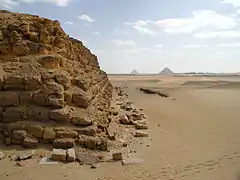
(193, 134)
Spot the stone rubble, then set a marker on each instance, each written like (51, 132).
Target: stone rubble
(24, 155)
(117, 156)
(1, 155)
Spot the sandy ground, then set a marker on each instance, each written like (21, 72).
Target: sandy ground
(195, 136)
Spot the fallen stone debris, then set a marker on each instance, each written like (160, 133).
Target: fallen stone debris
(117, 156)
(24, 155)
(1, 155)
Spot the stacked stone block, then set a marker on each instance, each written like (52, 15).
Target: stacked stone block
(51, 86)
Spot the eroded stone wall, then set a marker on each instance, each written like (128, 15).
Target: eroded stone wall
(48, 81)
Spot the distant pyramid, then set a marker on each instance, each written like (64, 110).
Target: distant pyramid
(166, 71)
(134, 72)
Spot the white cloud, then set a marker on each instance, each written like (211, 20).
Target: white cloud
(85, 17)
(142, 27)
(203, 19)
(128, 42)
(144, 49)
(217, 34)
(195, 46)
(236, 44)
(145, 30)
(69, 22)
(199, 20)
(9, 4)
(158, 46)
(235, 3)
(96, 33)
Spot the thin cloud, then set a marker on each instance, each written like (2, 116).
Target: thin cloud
(158, 46)
(128, 42)
(236, 44)
(235, 3)
(217, 34)
(195, 46)
(9, 4)
(96, 33)
(69, 22)
(85, 17)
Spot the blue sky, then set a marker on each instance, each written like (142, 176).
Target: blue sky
(147, 35)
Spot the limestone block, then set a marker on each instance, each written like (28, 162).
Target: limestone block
(39, 114)
(50, 61)
(13, 82)
(30, 142)
(15, 114)
(71, 155)
(9, 98)
(80, 99)
(15, 37)
(32, 82)
(64, 143)
(4, 48)
(35, 130)
(20, 49)
(59, 155)
(49, 133)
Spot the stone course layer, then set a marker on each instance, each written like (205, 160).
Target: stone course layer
(51, 85)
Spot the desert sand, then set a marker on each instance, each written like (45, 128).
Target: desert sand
(193, 134)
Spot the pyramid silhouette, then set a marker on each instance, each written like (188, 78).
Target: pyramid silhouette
(134, 72)
(166, 71)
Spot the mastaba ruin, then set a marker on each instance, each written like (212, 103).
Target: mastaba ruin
(52, 89)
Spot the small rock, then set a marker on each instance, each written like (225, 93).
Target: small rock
(117, 156)
(125, 144)
(47, 161)
(132, 151)
(1, 155)
(87, 159)
(111, 134)
(136, 116)
(143, 122)
(94, 166)
(123, 119)
(102, 145)
(141, 134)
(24, 155)
(59, 155)
(19, 164)
(71, 155)
(115, 112)
(100, 157)
(140, 126)
(90, 142)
